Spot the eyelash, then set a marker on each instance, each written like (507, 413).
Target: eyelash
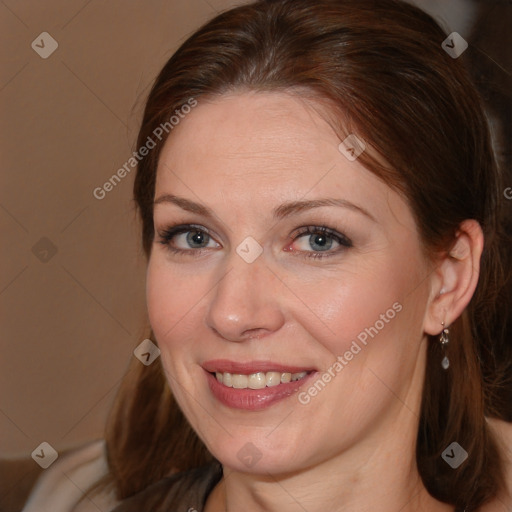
(168, 235)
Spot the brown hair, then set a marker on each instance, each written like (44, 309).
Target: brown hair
(381, 67)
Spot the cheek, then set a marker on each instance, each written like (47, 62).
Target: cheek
(377, 306)
(172, 302)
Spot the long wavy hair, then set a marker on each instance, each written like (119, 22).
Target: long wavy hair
(380, 67)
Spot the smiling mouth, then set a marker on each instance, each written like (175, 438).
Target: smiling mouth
(258, 380)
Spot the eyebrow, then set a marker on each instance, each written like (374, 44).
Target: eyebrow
(282, 211)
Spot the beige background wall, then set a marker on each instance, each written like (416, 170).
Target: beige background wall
(71, 320)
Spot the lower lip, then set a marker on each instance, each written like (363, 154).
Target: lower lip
(254, 399)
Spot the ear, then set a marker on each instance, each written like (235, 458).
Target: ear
(454, 279)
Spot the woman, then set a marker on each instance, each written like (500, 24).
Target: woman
(322, 220)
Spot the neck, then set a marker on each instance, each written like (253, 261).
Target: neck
(380, 474)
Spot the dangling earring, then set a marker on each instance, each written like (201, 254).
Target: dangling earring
(444, 339)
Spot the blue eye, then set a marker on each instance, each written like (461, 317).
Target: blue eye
(194, 237)
(321, 240)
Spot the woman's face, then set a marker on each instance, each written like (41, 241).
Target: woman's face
(293, 258)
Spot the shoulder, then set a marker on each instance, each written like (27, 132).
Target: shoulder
(62, 485)
(503, 431)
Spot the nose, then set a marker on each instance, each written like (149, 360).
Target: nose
(246, 302)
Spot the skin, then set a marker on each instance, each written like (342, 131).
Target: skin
(352, 447)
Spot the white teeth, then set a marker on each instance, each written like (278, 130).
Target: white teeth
(257, 380)
(240, 381)
(227, 380)
(273, 379)
(286, 377)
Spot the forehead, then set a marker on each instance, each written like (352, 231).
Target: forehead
(263, 148)
(258, 128)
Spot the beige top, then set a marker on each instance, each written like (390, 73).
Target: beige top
(60, 487)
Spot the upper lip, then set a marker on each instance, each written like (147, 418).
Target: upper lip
(225, 365)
